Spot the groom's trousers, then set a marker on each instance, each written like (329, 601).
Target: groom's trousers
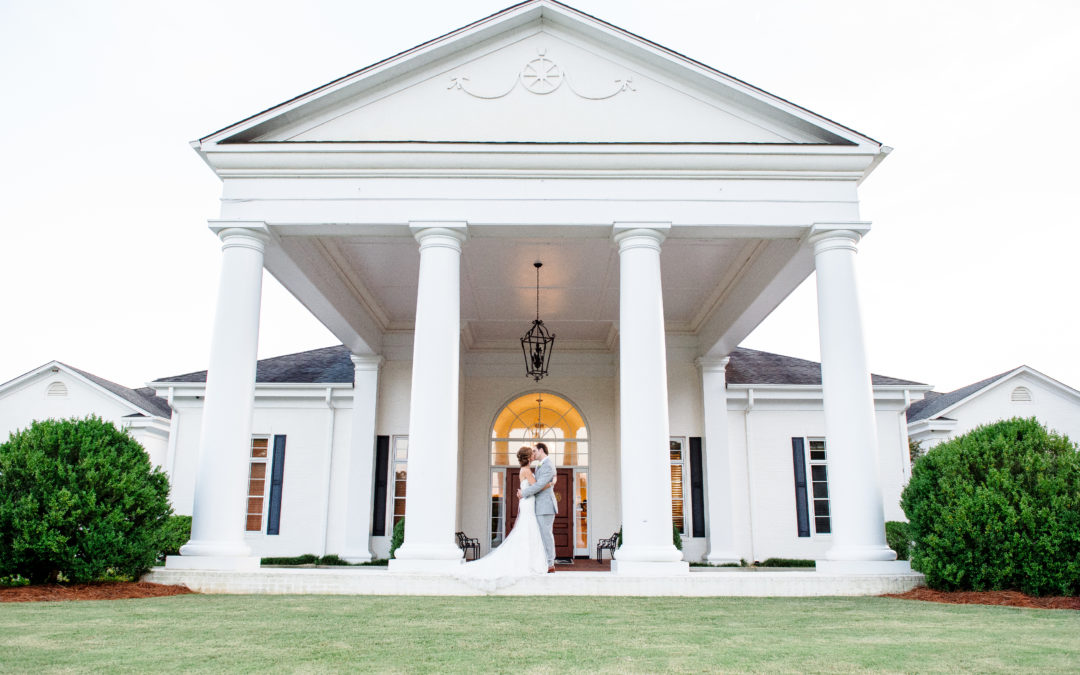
(546, 521)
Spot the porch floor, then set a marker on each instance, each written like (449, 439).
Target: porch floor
(584, 577)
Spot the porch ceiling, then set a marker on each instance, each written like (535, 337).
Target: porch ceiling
(579, 284)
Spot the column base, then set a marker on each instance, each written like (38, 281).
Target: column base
(865, 552)
(438, 558)
(663, 553)
(210, 562)
(860, 567)
(633, 568)
(421, 566)
(212, 549)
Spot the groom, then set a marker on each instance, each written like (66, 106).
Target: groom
(546, 506)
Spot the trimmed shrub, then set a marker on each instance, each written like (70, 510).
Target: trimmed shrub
(304, 559)
(898, 536)
(996, 509)
(177, 533)
(786, 562)
(308, 559)
(79, 500)
(397, 537)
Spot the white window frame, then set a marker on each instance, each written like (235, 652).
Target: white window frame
(683, 444)
(810, 498)
(268, 461)
(392, 479)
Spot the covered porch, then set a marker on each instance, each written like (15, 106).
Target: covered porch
(405, 207)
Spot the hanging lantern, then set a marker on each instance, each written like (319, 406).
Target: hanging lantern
(538, 428)
(537, 343)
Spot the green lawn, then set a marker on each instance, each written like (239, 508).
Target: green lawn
(552, 635)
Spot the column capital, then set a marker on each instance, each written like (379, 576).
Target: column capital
(242, 233)
(829, 236)
(366, 362)
(439, 233)
(639, 234)
(712, 364)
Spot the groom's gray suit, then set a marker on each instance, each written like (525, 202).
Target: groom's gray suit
(546, 506)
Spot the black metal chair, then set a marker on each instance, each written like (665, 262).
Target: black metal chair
(608, 544)
(468, 544)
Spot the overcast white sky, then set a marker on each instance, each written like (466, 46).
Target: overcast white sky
(106, 262)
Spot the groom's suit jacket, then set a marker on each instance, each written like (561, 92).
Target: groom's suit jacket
(545, 499)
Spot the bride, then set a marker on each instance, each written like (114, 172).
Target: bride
(522, 552)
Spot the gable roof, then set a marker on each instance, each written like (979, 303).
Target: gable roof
(935, 403)
(143, 398)
(333, 365)
(527, 14)
(749, 366)
(327, 365)
(932, 405)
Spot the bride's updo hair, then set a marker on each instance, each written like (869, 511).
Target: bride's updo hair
(524, 455)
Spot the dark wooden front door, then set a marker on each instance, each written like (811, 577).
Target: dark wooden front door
(563, 528)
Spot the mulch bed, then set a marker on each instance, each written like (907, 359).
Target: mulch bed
(1007, 598)
(102, 591)
(131, 590)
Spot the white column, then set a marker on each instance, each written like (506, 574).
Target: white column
(431, 483)
(361, 458)
(719, 476)
(643, 416)
(858, 519)
(218, 523)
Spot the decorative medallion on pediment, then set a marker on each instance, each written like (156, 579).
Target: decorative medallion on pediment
(542, 76)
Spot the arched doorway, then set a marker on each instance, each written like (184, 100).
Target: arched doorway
(548, 417)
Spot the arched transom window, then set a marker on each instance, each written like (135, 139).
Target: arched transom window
(543, 417)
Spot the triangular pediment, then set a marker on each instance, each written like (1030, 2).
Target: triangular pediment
(539, 72)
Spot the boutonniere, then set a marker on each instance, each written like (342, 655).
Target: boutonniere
(535, 464)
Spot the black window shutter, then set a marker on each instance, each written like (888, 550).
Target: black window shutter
(277, 475)
(382, 470)
(697, 488)
(802, 514)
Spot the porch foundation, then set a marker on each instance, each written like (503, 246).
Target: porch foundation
(699, 582)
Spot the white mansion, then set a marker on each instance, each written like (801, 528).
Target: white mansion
(673, 208)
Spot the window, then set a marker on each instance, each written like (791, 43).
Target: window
(498, 518)
(401, 469)
(261, 480)
(819, 486)
(812, 499)
(260, 446)
(678, 465)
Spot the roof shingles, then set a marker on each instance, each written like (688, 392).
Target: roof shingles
(935, 402)
(332, 365)
(143, 398)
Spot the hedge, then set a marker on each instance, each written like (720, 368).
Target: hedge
(79, 500)
(998, 509)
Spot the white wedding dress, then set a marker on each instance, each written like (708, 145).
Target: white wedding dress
(520, 555)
